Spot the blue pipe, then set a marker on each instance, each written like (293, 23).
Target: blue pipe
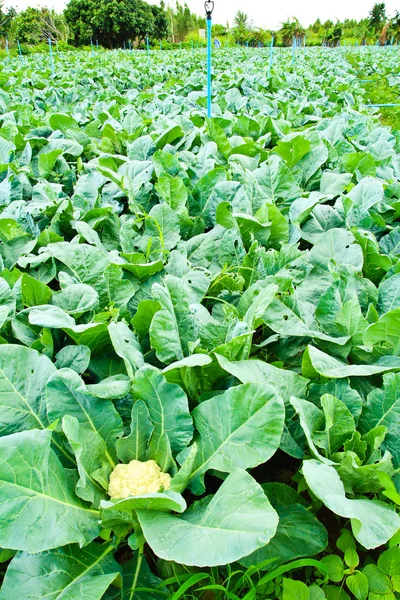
(209, 26)
(148, 47)
(20, 51)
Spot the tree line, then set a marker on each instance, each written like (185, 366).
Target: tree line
(110, 23)
(377, 27)
(116, 23)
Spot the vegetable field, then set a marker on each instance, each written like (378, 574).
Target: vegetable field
(199, 327)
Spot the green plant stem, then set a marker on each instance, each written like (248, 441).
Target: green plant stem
(137, 571)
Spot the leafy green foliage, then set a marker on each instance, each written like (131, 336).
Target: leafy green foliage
(220, 296)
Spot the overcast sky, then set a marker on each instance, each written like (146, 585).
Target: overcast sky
(264, 13)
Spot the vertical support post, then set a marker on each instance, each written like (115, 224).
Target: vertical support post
(91, 46)
(20, 51)
(97, 44)
(148, 47)
(130, 45)
(124, 45)
(7, 49)
(209, 27)
(51, 58)
(271, 53)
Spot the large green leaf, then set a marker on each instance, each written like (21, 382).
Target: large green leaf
(383, 408)
(159, 501)
(135, 445)
(373, 522)
(126, 346)
(217, 530)
(288, 383)
(23, 377)
(240, 428)
(69, 572)
(168, 408)
(67, 395)
(331, 367)
(38, 508)
(172, 328)
(91, 459)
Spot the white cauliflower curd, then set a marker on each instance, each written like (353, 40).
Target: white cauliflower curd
(136, 479)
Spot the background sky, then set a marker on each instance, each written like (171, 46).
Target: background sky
(264, 13)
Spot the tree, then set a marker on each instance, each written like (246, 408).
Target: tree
(6, 19)
(160, 30)
(333, 37)
(317, 26)
(112, 22)
(362, 30)
(377, 16)
(291, 29)
(242, 27)
(241, 21)
(35, 25)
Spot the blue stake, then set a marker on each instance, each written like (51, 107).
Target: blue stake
(20, 51)
(91, 45)
(97, 44)
(271, 52)
(148, 47)
(209, 6)
(130, 46)
(51, 58)
(7, 50)
(124, 45)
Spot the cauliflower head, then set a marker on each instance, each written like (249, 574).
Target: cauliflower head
(136, 479)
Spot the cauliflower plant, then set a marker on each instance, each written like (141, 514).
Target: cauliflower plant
(136, 479)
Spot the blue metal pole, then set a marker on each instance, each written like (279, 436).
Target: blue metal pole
(20, 51)
(97, 44)
(51, 58)
(271, 52)
(148, 47)
(209, 26)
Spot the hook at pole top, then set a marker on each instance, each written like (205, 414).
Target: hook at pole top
(209, 6)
